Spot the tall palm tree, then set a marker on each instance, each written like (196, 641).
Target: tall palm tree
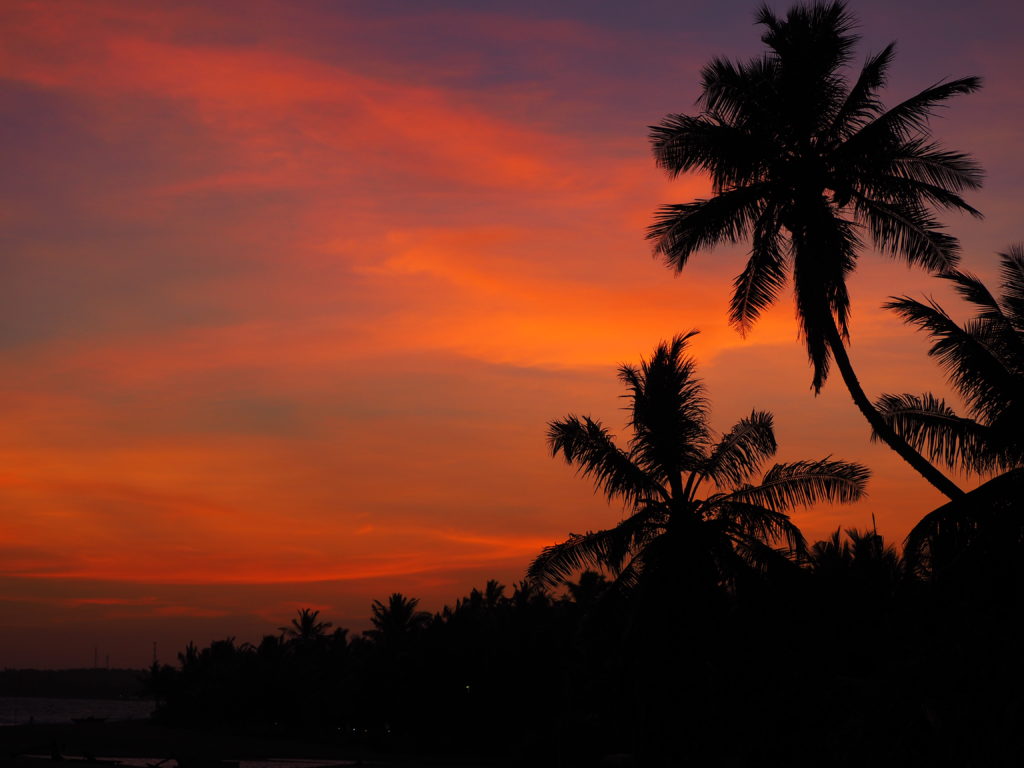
(984, 361)
(693, 514)
(802, 163)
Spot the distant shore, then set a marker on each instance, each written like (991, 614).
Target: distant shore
(24, 746)
(80, 683)
(40, 710)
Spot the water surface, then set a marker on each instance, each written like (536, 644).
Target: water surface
(18, 710)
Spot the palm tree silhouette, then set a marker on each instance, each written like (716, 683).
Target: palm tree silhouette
(862, 563)
(802, 162)
(395, 622)
(305, 627)
(671, 527)
(984, 361)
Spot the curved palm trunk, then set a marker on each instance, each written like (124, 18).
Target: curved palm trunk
(883, 430)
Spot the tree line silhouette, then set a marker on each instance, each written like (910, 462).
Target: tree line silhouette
(702, 629)
(847, 656)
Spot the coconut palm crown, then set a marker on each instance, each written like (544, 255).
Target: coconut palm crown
(306, 627)
(984, 361)
(805, 164)
(692, 509)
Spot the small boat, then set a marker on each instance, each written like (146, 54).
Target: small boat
(88, 720)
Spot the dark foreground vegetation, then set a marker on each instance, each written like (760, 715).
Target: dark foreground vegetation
(701, 630)
(847, 659)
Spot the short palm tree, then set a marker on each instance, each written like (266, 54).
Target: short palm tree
(984, 361)
(861, 563)
(397, 620)
(802, 163)
(692, 512)
(306, 627)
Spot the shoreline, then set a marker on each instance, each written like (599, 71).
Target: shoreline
(23, 746)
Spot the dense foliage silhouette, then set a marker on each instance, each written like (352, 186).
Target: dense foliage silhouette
(984, 361)
(707, 645)
(694, 518)
(305, 627)
(850, 658)
(802, 162)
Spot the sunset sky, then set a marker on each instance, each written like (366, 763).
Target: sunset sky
(289, 291)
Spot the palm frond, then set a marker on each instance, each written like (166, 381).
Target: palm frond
(628, 578)
(611, 548)
(932, 427)
(742, 449)
(809, 47)
(763, 557)
(912, 115)
(825, 253)
(904, 190)
(743, 95)
(757, 287)
(938, 538)
(804, 483)
(813, 321)
(588, 446)
(907, 230)
(973, 367)
(733, 156)
(949, 533)
(973, 290)
(668, 411)
(558, 562)
(681, 230)
(819, 36)
(862, 103)
(1001, 335)
(1012, 272)
(754, 521)
(926, 161)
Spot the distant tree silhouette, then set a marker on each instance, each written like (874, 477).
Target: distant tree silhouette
(860, 566)
(305, 627)
(691, 508)
(395, 622)
(528, 595)
(801, 162)
(478, 602)
(850, 660)
(590, 588)
(984, 361)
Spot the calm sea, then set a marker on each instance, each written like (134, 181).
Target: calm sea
(15, 710)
